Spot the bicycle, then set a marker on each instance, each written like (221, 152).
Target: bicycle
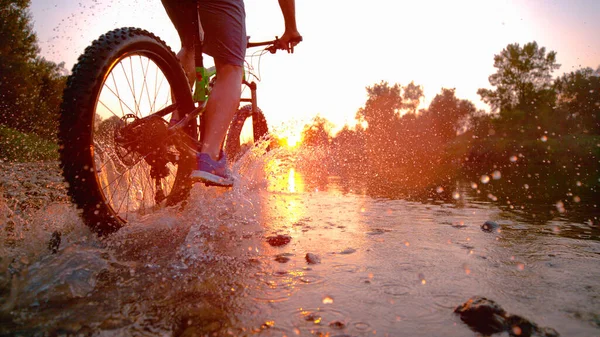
(122, 157)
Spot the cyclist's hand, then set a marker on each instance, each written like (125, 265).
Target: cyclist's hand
(289, 40)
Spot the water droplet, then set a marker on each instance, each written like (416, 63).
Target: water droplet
(485, 179)
(576, 199)
(456, 195)
(578, 183)
(513, 158)
(327, 300)
(544, 138)
(516, 330)
(560, 206)
(496, 175)
(521, 266)
(474, 185)
(440, 189)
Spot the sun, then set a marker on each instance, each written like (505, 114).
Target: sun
(289, 137)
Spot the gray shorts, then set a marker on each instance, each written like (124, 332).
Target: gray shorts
(224, 24)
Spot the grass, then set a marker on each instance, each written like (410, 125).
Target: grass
(22, 147)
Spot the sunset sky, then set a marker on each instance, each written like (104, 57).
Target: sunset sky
(349, 45)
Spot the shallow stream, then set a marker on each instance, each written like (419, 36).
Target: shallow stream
(376, 266)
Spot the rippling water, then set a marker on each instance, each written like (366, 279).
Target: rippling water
(387, 267)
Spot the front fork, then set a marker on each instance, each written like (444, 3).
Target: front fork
(252, 100)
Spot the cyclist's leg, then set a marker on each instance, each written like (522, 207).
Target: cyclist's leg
(225, 40)
(221, 107)
(185, 19)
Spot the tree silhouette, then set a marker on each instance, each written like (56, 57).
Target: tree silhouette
(448, 115)
(523, 76)
(317, 132)
(579, 99)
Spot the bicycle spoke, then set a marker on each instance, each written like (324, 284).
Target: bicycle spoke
(133, 92)
(153, 103)
(145, 83)
(117, 93)
(130, 88)
(121, 102)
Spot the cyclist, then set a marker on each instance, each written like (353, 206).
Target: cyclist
(224, 29)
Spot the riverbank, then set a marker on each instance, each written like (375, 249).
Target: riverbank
(27, 191)
(30, 186)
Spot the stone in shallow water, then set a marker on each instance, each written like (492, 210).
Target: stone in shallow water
(348, 251)
(282, 258)
(279, 240)
(54, 243)
(482, 315)
(337, 325)
(490, 226)
(487, 317)
(312, 258)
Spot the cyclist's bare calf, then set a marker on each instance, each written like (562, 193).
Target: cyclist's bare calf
(220, 108)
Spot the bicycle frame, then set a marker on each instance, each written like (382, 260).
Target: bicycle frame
(202, 89)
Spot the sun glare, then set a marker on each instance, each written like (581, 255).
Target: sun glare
(293, 140)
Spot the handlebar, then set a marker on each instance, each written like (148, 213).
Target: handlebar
(273, 45)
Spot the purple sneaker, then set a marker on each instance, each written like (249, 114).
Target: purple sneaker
(212, 173)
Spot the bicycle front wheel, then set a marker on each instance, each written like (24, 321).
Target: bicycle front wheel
(117, 155)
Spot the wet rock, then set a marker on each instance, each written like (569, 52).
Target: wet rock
(487, 317)
(279, 240)
(376, 231)
(312, 258)
(313, 317)
(282, 258)
(337, 325)
(482, 315)
(490, 226)
(54, 242)
(348, 251)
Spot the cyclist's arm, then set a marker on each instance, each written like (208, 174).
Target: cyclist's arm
(291, 34)
(288, 8)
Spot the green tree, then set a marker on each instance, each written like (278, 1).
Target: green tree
(523, 77)
(579, 99)
(30, 86)
(448, 115)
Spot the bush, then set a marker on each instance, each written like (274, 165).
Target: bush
(18, 146)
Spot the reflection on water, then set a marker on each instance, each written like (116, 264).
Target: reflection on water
(387, 266)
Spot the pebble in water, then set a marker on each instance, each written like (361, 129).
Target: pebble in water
(490, 226)
(487, 317)
(312, 258)
(279, 240)
(54, 242)
(337, 325)
(348, 251)
(282, 258)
